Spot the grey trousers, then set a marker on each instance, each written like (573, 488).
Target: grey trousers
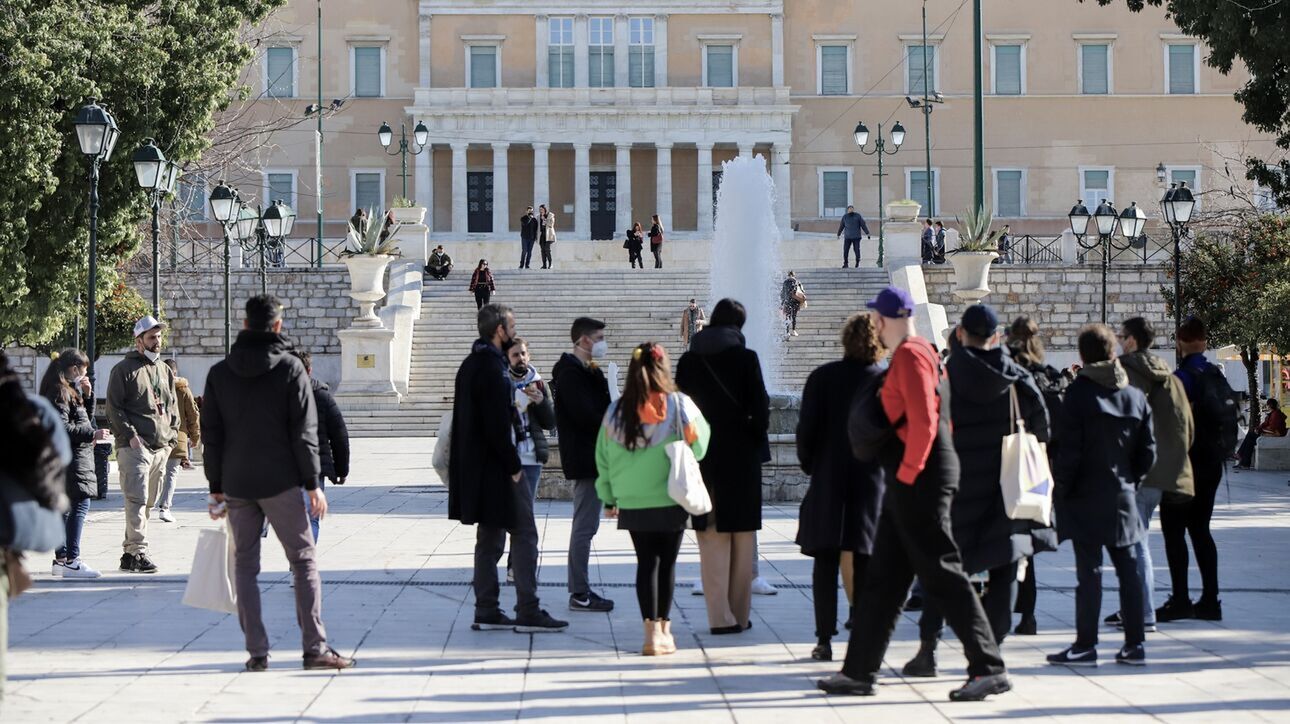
(586, 521)
(140, 473)
(167, 495)
(490, 542)
(286, 513)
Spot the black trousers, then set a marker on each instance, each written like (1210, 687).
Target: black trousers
(1027, 590)
(1191, 518)
(656, 571)
(790, 316)
(914, 538)
(526, 252)
(1245, 455)
(545, 246)
(657, 251)
(847, 246)
(1088, 592)
(482, 295)
(824, 589)
(634, 256)
(998, 599)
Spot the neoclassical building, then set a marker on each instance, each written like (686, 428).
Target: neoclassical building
(609, 113)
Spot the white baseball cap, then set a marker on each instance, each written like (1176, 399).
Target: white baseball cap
(145, 324)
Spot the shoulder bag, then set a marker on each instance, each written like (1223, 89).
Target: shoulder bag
(1025, 479)
(684, 479)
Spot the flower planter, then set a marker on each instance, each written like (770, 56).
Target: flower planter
(410, 214)
(972, 273)
(905, 212)
(367, 285)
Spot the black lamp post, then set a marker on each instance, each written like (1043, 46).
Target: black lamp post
(420, 135)
(224, 205)
(97, 133)
(157, 177)
(1177, 206)
(880, 150)
(1106, 219)
(263, 231)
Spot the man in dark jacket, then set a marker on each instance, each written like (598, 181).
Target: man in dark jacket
(485, 477)
(333, 436)
(261, 432)
(984, 382)
(1107, 450)
(850, 227)
(529, 226)
(581, 399)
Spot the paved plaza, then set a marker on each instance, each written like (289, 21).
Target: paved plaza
(397, 596)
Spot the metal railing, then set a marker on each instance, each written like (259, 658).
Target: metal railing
(1029, 249)
(208, 254)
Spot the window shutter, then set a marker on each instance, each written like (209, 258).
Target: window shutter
(483, 66)
(914, 61)
(918, 188)
(1096, 69)
(640, 66)
(1007, 70)
(600, 67)
(367, 192)
(835, 193)
(367, 72)
(1187, 176)
(561, 66)
(281, 187)
(1009, 201)
(721, 72)
(833, 70)
(1182, 69)
(192, 196)
(279, 62)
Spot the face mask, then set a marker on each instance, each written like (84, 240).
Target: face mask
(152, 356)
(600, 350)
(520, 370)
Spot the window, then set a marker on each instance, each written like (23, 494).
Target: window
(835, 191)
(719, 66)
(1009, 65)
(369, 80)
(368, 189)
(280, 72)
(190, 198)
(483, 66)
(1095, 186)
(834, 62)
(914, 65)
(600, 53)
(559, 53)
(1180, 68)
(1009, 193)
(640, 52)
(916, 188)
(1189, 175)
(280, 185)
(1095, 68)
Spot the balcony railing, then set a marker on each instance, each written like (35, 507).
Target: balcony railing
(503, 98)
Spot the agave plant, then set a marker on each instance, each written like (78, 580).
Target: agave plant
(977, 235)
(374, 240)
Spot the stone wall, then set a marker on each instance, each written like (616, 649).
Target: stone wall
(1061, 299)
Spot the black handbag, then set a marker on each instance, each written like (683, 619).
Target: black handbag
(868, 428)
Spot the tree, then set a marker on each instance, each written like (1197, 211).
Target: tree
(165, 68)
(1252, 31)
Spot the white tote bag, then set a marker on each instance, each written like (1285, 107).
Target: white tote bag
(1024, 476)
(684, 479)
(443, 447)
(210, 583)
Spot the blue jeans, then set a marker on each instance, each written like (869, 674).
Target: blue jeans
(1148, 499)
(314, 520)
(74, 520)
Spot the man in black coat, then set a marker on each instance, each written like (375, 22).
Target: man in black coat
(581, 399)
(333, 436)
(1108, 448)
(529, 226)
(484, 478)
(260, 429)
(984, 381)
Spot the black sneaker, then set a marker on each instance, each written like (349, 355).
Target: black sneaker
(977, 688)
(137, 563)
(540, 622)
(257, 663)
(1027, 626)
(1114, 620)
(590, 602)
(1175, 609)
(822, 652)
(495, 621)
(1208, 610)
(842, 684)
(915, 603)
(1132, 655)
(1073, 656)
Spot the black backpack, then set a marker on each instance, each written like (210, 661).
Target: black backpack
(1217, 412)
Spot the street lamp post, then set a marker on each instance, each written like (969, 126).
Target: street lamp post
(156, 176)
(263, 231)
(879, 150)
(1106, 219)
(1177, 205)
(420, 135)
(97, 133)
(224, 207)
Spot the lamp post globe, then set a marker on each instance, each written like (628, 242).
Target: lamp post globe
(421, 134)
(1132, 221)
(898, 135)
(1166, 204)
(1079, 217)
(1183, 204)
(273, 220)
(385, 134)
(861, 135)
(96, 131)
(247, 220)
(1105, 217)
(223, 201)
(150, 166)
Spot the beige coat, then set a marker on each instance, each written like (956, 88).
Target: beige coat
(190, 428)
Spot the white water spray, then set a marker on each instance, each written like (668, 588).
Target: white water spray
(745, 257)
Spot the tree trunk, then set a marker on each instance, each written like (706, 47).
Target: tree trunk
(1250, 358)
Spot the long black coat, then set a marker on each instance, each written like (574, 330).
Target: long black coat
(842, 504)
(483, 458)
(980, 409)
(740, 421)
(1107, 450)
(581, 399)
(77, 418)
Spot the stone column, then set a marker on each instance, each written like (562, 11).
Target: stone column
(459, 225)
(621, 44)
(782, 173)
(745, 149)
(582, 191)
(541, 175)
(777, 50)
(581, 41)
(660, 51)
(542, 29)
(663, 192)
(423, 44)
(623, 181)
(423, 182)
(501, 191)
(704, 200)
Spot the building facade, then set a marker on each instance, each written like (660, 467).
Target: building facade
(610, 113)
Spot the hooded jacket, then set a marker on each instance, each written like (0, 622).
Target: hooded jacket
(1107, 450)
(190, 428)
(483, 458)
(141, 401)
(77, 416)
(259, 420)
(1171, 422)
(581, 397)
(333, 436)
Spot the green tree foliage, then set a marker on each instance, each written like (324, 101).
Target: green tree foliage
(1253, 32)
(165, 68)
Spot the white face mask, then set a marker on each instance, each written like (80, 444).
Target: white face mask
(152, 356)
(600, 350)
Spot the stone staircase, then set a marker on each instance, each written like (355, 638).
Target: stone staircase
(637, 306)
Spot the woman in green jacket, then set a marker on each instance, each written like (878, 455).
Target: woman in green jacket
(633, 466)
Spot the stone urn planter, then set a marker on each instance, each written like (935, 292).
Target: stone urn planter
(409, 214)
(367, 285)
(903, 211)
(972, 273)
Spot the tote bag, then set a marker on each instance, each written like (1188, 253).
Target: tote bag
(684, 479)
(443, 447)
(1024, 476)
(210, 583)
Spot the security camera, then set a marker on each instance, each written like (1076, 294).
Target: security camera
(913, 103)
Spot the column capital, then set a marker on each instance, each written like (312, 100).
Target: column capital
(663, 145)
(501, 145)
(620, 145)
(580, 17)
(620, 17)
(459, 145)
(581, 146)
(777, 17)
(661, 16)
(424, 16)
(704, 145)
(542, 18)
(541, 146)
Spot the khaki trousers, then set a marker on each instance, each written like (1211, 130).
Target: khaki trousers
(141, 472)
(726, 566)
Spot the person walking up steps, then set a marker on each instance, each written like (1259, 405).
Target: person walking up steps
(581, 392)
(481, 284)
(261, 430)
(693, 320)
(143, 413)
(189, 434)
(914, 537)
(632, 480)
(792, 297)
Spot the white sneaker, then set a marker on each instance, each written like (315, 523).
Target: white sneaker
(165, 516)
(57, 569)
(762, 587)
(698, 588)
(79, 569)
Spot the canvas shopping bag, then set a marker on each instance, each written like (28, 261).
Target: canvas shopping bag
(210, 583)
(684, 479)
(1024, 476)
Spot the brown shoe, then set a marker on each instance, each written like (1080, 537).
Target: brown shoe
(257, 663)
(328, 659)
